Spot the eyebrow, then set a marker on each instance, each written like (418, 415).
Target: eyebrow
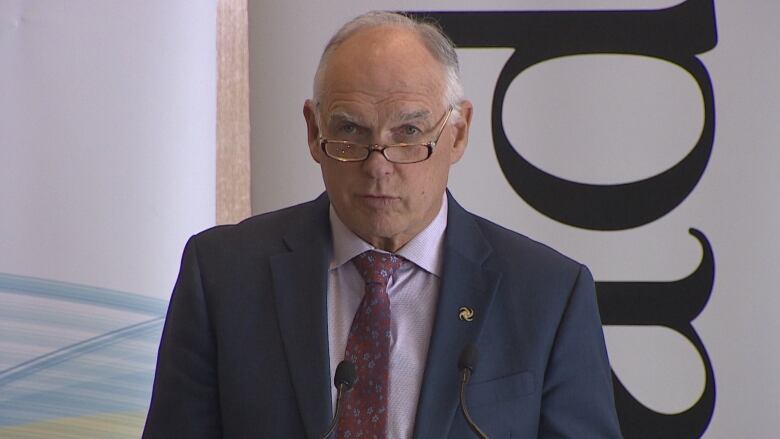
(342, 116)
(414, 115)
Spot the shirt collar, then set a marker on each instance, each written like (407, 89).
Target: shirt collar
(426, 249)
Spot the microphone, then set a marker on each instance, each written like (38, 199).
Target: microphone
(467, 362)
(343, 379)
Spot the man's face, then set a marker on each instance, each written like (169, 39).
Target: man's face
(382, 86)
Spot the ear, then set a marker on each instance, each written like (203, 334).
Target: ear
(312, 129)
(461, 131)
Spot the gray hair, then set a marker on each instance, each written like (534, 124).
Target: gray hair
(438, 44)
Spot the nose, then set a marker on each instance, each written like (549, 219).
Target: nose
(376, 165)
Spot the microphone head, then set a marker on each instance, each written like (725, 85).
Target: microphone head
(468, 357)
(345, 375)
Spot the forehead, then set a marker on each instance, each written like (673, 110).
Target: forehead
(383, 67)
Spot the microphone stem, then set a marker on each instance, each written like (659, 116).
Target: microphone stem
(334, 421)
(465, 379)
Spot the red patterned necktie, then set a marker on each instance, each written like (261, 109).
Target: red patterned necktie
(368, 347)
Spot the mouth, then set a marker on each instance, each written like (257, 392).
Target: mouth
(378, 200)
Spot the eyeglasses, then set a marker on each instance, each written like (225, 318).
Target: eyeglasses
(404, 153)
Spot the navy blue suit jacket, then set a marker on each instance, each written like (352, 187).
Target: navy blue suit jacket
(244, 352)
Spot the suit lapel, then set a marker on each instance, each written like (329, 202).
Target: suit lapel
(466, 283)
(300, 288)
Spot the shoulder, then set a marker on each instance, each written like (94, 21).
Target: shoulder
(266, 232)
(511, 245)
(523, 260)
(472, 231)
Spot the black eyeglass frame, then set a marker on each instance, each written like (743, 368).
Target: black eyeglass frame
(369, 148)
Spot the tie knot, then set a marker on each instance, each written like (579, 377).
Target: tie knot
(377, 267)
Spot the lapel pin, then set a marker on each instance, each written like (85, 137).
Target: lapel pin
(466, 314)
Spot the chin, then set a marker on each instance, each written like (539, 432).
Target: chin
(382, 231)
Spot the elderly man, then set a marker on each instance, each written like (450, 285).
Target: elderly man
(387, 271)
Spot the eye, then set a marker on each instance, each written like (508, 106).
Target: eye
(410, 130)
(348, 128)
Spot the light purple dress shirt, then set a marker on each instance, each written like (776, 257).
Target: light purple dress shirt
(413, 291)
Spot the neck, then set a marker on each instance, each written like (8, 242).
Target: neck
(391, 245)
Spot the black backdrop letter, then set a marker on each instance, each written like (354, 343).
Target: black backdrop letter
(677, 35)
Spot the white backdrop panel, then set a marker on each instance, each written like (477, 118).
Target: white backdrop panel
(107, 161)
(600, 119)
(107, 139)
